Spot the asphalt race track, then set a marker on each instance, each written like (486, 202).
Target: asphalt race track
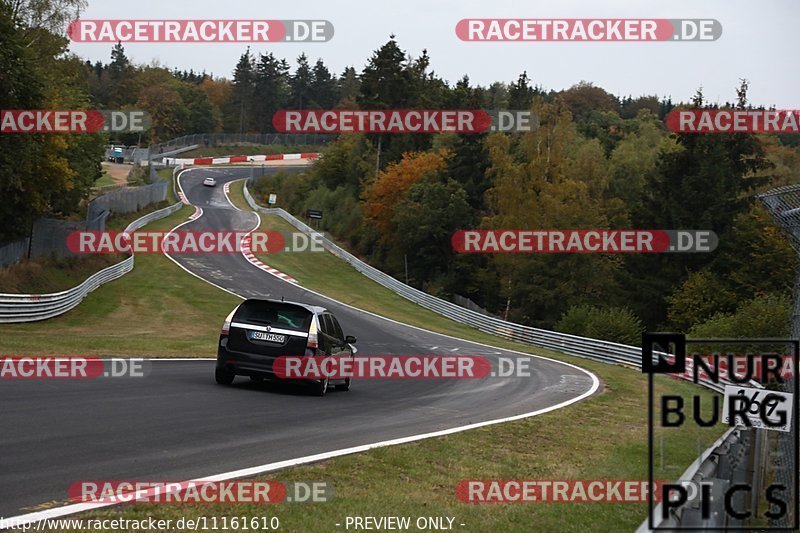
(177, 424)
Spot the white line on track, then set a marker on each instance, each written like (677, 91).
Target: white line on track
(226, 189)
(30, 518)
(247, 251)
(21, 520)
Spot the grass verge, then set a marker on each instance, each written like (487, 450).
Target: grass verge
(45, 275)
(104, 181)
(323, 272)
(603, 437)
(156, 310)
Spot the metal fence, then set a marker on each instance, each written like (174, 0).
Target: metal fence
(783, 204)
(129, 199)
(130, 154)
(724, 462)
(16, 308)
(159, 154)
(127, 151)
(463, 301)
(139, 156)
(753, 457)
(48, 238)
(222, 139)
(14, 252)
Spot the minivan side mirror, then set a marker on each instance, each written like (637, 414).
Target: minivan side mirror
(350, 339)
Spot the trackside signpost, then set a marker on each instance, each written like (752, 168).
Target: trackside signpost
(313, 214)
(762, 406)
(759, 402)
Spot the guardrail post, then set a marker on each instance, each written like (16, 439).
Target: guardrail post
(783, 205)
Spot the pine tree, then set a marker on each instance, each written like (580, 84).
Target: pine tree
(300, 84)
(324, 92)
(520, 93)
(238, 116)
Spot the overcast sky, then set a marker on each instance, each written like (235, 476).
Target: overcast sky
(760, 42)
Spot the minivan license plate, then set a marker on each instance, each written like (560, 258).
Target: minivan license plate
(269, 337)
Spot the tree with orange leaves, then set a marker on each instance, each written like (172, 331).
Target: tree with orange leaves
(383, 196)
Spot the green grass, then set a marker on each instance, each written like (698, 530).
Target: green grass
(323, 272)
(45, 275)
(104, 180)
(603, 437)
(120, 222)
(156, 310)
(166, 175)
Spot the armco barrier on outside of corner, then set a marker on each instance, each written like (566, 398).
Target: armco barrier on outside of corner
(605, 351)
(32, 307)
(594, 349)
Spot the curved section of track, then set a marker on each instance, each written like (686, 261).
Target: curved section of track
(178, 424)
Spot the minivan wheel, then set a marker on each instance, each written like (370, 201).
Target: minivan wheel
(224, 376)
(322, 387)
(345, 386)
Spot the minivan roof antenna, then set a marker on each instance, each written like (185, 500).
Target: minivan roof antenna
(281, 298)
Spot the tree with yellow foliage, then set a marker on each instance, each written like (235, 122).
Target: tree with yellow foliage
(381, 198)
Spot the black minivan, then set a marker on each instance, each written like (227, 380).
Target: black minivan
(258, 331)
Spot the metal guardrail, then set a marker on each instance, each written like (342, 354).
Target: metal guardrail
(783, 205)
(705, 467)
(15, 308)
(609, 352)
(146, 154)
(139, 156)
(221, 139)
(722, 461)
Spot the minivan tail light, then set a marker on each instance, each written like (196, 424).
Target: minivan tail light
(226, 326)
(313, 341)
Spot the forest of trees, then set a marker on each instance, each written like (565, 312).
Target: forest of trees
(42, 173)
(598, 160)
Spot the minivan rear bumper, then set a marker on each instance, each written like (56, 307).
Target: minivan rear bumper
(245, 364)
(249, 364)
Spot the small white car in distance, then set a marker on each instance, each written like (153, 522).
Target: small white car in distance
(210, 182)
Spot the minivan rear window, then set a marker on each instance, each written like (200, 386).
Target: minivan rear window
(275, 314)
